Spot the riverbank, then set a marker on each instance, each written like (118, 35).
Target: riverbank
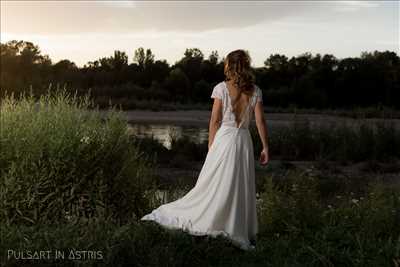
(377, 111)
(200, 118)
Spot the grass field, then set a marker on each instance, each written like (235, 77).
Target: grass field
(74, 181)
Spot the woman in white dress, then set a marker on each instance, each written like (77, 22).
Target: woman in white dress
(223, 201)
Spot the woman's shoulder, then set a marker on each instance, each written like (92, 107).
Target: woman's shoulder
(221, 84)
(257, 89)
(220, 87)
(258, 93)
(218, 90)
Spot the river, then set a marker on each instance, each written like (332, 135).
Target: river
(194, 123)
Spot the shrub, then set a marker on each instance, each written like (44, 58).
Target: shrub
(301, 227)
(60, 161)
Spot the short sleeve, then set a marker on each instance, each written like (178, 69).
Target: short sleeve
(259, 94)
(217, 92)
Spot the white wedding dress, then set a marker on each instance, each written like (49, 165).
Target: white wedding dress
(223, 201)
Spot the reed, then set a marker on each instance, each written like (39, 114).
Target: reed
(60, 162)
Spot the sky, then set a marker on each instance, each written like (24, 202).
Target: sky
(84, 31)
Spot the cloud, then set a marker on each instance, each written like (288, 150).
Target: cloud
(352, 6)
(85, 31)
(360, 3)
(120, 4)
(51, 17)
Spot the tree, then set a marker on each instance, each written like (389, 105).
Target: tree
(22, 65)
(201, 91)
(144, 59)
(139, 57)
(159, 70)
(65, 64)
(119, 61)
(210, 69)
(213, 58)
(276, 62)
(190, 64)
(194, 53)
(178, 85)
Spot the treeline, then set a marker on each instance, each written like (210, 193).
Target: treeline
(304, 81)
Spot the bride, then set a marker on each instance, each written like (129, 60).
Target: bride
(223, 201)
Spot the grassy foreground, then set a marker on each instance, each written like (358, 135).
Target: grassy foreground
(73, 182)
(298, 227)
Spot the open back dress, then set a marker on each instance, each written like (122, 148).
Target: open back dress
(223, 201)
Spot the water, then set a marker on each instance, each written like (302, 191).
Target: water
(199, 134)
(164, 132)
(196, 134)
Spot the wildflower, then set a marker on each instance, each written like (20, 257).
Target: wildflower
(329, 206)
(68, 216)
(355, 201)
(85, 139)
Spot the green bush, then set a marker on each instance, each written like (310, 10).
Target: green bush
(291, 204)
(61, 161)
(300, 226)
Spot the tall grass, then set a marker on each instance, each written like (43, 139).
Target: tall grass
(365, 141)
(61, 162)
(346, 228)
(299, 226)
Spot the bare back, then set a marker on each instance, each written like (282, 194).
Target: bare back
(239, 101)
(240, 116)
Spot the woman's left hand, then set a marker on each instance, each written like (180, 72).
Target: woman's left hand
(264, 157)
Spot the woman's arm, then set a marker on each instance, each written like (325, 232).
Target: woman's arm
(215, 120)
(262, 131)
